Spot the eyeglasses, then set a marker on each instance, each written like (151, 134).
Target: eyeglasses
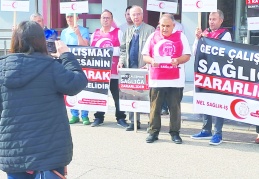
(106, 18)
(136, 14)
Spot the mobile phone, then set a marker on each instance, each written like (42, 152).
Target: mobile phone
(51, 47)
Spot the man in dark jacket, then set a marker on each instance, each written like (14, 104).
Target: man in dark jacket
(34, 128)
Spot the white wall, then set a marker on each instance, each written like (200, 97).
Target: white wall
(190, 22)
(136, 2)
(93, 24)
(117, 7)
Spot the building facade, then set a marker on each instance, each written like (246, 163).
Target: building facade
(234, 10)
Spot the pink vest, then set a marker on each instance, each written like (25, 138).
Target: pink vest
(108, 40)
(216, 34)
(173, 47)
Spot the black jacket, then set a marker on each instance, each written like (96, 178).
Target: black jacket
(34, 129)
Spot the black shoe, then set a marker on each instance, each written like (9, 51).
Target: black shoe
(122, 123)
(152, 138)
(176, 138)
(131, 127)
(97, 122)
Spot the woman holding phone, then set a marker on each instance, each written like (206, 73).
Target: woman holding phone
(35, 135)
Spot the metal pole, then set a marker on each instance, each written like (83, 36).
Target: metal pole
(135, 122)
(237, 21)
(36, 6)
(199, 20)
(5, 50)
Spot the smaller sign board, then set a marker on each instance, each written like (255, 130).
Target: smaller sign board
(199, 6)
(73, 7)
(22, 5)
(134, 90)
(162, 6)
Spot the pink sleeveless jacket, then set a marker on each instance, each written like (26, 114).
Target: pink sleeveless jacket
(108, 40)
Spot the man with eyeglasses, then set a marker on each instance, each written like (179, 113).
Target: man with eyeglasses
(130, 50)
(109, 36)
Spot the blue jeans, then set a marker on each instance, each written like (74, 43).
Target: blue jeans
(75, 113)
(207, 124)
(36, 175)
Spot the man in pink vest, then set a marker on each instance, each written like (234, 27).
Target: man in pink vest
(109, 36)
(166, 51)
(178, 27)
(214, 31)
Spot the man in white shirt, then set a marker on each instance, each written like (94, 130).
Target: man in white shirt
(178, 27)
(166, 51)
(75, 34)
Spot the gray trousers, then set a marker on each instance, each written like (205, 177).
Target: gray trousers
(131, 116)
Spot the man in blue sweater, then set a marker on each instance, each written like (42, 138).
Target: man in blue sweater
(75, 35)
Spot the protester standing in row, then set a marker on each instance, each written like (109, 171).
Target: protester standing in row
(109, 36)
(128, 22)
(164, 85)
(132, 44)
(76, 35)
(178, 27)
(35, 135)
(217, 32)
